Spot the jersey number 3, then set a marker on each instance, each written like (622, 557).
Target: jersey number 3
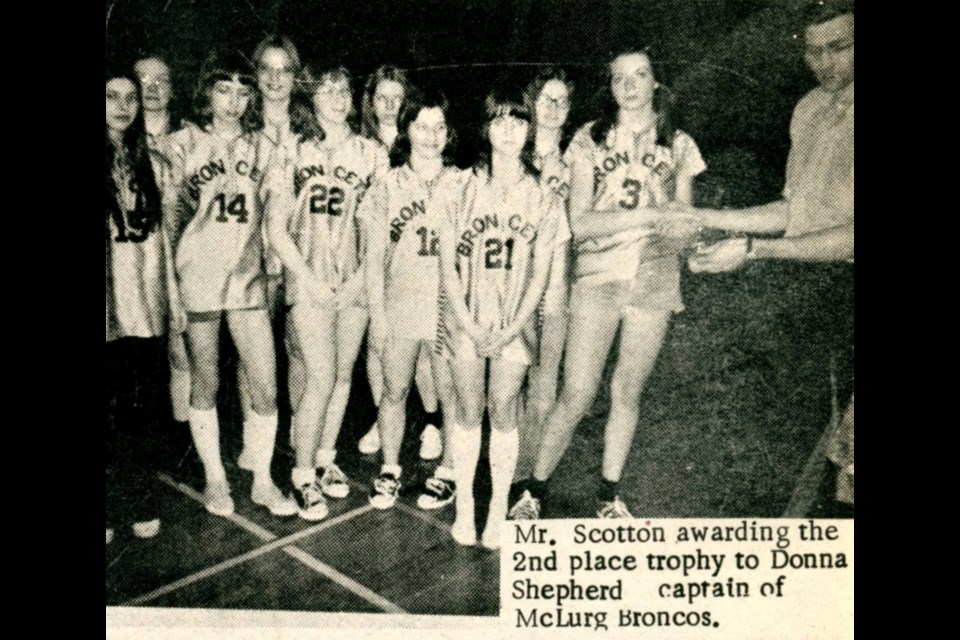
(237, 207)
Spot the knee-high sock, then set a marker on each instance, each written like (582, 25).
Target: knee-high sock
(263, 432)
(466, 452)
(504, 446)
(205, 429)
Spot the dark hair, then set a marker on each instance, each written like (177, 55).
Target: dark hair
(535, 87)
(303, 116)
(663, 105)
(824, 11)
(225, 67)
(135, 154)
(174, 108)
(370, 127)
(504, 100)
(416, 102)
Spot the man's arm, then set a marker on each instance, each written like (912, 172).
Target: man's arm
(766, 218)
(827, 245)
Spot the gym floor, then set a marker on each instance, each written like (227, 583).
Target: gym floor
(730, 428)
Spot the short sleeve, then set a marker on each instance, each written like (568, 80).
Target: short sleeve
(374, 203)
(581, 147)
(689, 161)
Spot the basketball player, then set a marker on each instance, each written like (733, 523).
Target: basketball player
(496, 247)
(218, 247)
(403, 274)
(548, 98)
(627, 167)
(312, 222)
(137, 309)
(383, 95)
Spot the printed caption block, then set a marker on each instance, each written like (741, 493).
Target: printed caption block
(679, 578)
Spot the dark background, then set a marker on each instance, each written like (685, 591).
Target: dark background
(735, 64)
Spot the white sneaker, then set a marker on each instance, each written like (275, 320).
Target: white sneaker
(431, 443)
(526, 508)
(370, 443)
(437, 493)
(146, 529)
(384, 491)
(310, 502)
(334, 482)
(272, 498)
(217, 500)
(614, 509)
(109, 536)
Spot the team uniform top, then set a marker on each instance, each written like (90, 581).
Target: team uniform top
(406, 210)
(631, 171)
(137, 266)
(495, 231)
(218, 236)
(555, 176)
(284, 143)
(325, 187)
(819, 184)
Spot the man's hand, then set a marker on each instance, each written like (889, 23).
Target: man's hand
(726, 255)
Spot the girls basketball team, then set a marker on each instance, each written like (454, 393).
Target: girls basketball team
(473, 283)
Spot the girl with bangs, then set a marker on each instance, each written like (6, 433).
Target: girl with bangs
(137, 309)
(383, 95)
(219, 257)
(495, 250)
(548, 98)
(629, 167)
(313, 226)
(403, 270)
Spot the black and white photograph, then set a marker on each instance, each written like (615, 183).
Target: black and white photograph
(386, 278)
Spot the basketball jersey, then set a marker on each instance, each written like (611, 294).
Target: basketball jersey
(284, 145)
(326, 186)
(630, 172)
(137, 261)
(555, 177)
(496, 230)
(219, 253)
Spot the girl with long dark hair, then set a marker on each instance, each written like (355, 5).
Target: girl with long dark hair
(628, 167)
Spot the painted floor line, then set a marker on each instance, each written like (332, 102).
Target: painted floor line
(299, 554)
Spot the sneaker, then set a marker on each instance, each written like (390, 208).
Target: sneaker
(370, 443)
(437, 493)
(526, 508)
(334, 482)
(272, 498)
(431, 444)
(614, 509)
(146, 529)
(217, 500)
(384, 491)
(311, 505)
(109, 536)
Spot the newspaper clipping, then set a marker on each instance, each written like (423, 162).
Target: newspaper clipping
(479, 318)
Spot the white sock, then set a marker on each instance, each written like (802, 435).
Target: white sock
(205, 429)
(263, 433)
(393, 469)
(465, 445)
(445, 473)
(324, 457)
(303, 475)
(504, 446)
(180, 393)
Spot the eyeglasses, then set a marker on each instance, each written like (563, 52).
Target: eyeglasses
(329, 93)
(556, 103)
(831, 48)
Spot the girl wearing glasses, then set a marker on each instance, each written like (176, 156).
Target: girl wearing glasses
(313, 227)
